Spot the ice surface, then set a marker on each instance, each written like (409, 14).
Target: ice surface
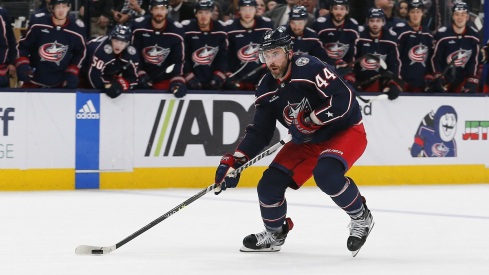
(418, 230)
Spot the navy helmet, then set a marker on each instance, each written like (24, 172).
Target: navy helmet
(345, 3)
(204, 5)
(155, 3)
(415, 4)
(57, 2)
(298, 13)
(243, 3)
(376, 13)
(273, 39)
(122, 33)
(460, 6)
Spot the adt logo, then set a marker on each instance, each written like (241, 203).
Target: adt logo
(88, 112)
(5, 117)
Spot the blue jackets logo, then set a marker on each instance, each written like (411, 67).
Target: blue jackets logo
(88, 111)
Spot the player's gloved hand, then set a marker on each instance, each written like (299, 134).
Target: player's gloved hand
(302, 128)
(428, 83)
(116, 87)
(178, 88)
(441, 84)
(393, 90)
(471, 85)
(193, 82)
(4, 80)
(350, 79)
(484, 54)
(144, 80)
(24, 70)
(70, 77)
(216, 82)
(228, 164)
(231, 83)
(342, 67)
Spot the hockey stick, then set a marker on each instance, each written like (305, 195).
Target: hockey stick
(250, 74)
(453, 71)
(387, 74)
(375, 98)
(239, 70)
(98, 250)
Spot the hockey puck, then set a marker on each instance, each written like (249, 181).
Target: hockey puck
(97, 251)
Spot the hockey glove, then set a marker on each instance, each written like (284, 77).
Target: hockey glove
(350, 79)
(216, 82)
(231, 83)
(228, 164)
(178, 88)
(4, 80)
(471, 85)
(144, 80)
(24, 70)
(428, 83)
(302, 129)
(193, 82)
(116, 87)
(342, 67)
(70, 77)
(440, 83)
(393, 90)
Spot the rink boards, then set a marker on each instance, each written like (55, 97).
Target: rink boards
(76, 140)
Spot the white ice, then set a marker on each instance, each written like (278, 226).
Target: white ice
(418, 230)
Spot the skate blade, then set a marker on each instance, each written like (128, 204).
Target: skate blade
(270, 249)
(354, 253)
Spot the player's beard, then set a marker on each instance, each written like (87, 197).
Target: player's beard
(281, 70)
(339, 20)
(159, 19)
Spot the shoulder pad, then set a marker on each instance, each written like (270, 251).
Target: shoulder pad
(321, 19)
(131, 50)
(80, 23)
(354, 21)
(392, 32)
(400, 24)
(361, 28)
(41, 14)
(474, 29)
(442, 29)
(139, 19)
(311, 30)
(229, 22)
(222, 23)
(177, 24)
(185, 22)
(108, 49)
(301, 61)
(266, 19)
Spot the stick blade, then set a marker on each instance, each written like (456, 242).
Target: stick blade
(93, 250)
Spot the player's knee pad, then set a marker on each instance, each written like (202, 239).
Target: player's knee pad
(329, 175)
(272, 185)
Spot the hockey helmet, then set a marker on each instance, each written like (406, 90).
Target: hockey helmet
(155, 3)
(57, 2)
(415, 4)
(243, 3)
(121, 33)
(204, 5)
(376, 13)
(298, 13)
(345, 3)
(460, 6)
(274, 39)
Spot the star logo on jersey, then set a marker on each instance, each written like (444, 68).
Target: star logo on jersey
(249, 53)
(204, 55)
(53, 52)
(155, 54)
(461, 57)
(336, 50)
(371, 64)
(292, 110)
(418, 53)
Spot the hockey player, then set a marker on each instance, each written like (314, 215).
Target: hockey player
(456, 45)
(308, 97)
(381, 42)
(415, 45)
(485, 56)
(305, 40)
(112, 63)
(52, 51)
(339, 34)
(160, 44)
(8, 51)
(206, 49)
(244, 35)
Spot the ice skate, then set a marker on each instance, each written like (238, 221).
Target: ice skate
(359, 230)
(266, 241)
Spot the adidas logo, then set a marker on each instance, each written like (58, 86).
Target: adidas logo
(88, 112)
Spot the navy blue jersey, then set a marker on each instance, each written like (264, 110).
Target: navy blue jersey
(415, 49)
(465, 48)
(393, 22)
(308, 43)
(102, 64)
(311, 86)
(206, 52)
(243, 46)
(51, 49)
(159, 49)
(339, 42)
(384, 46)
(8, 51)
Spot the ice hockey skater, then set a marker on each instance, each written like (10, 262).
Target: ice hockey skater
(323, 116)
